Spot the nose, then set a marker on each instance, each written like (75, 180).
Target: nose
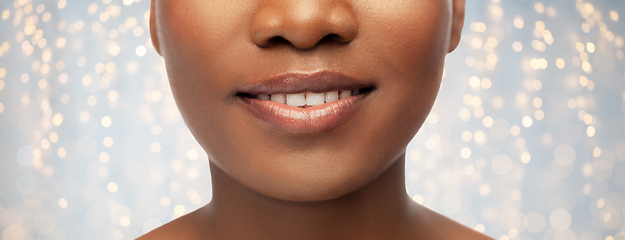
(303, 24)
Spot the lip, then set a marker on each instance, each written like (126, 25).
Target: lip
(313, 119)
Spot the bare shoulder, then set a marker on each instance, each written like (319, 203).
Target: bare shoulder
(445, 228)
(182, 228)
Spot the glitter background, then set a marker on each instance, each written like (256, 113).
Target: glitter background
(526, 141)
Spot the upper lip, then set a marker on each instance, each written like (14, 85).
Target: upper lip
(290, 83)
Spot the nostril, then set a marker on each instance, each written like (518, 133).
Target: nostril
(277, 40)
(329, 39)
(290, 25)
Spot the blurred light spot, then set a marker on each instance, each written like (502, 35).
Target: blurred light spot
(486, 83)
(53, 137)
(112, 95)
(590, 47)
(92, 100)
(155, 147)
(112, 187)
(515, 130)
(85, 116)
(613, 16)
(124, 221)
(14, 232)
(61, 152)
(141, 51)
(165, 201)
(560, 63)
(156, 96)
(526, 157)
(479, 137)
(63, 203)
(57, 119)
(192, 154)
(540, 25)
(156, 129)
(5, 14)
(527, 121)
(474, 81)
(476, 43)
(517, 46)
(466, 136)
(107, 142)
(418, 198)
(537, 85)
(518, 21)
(106, 121)
(539, 7)
(560, 219)
(192, 174)
(179, 210)
(484, 190)
(480, 228)
(590, 131)
(596, 152)
(465, 152)
(587, 189)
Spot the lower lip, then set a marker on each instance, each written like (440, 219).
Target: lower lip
(313, 119)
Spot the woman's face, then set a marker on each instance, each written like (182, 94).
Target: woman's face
(242, 71)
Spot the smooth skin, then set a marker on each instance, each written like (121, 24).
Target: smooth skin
(344, 183)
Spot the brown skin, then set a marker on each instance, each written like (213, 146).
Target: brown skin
(344, 183)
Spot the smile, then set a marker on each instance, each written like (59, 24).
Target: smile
(305, 103)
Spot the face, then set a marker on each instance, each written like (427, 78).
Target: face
(305, 100)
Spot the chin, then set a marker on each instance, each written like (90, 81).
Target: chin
(318, 181)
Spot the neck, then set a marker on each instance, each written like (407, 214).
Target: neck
(371, 212)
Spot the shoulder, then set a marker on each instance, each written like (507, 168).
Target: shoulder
(182, 228)
(445, 228)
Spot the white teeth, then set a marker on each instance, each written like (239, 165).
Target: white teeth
(298, 99)
(314, 99)
(345, 94)
(279, 98)
(264, 97)
(332, 96)
(308, 99)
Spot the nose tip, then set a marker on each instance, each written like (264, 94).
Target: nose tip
(303, 25)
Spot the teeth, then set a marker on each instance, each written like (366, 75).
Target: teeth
(279, 98)
(332, 96)
(298, 99)
(264, 97)
(345, 94)
(314, 99)
(308, 99)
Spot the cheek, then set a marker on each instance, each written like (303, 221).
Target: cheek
(413, 49)
(411, 37)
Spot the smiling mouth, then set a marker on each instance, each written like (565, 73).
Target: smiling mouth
(305, 103)
(308, 99)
